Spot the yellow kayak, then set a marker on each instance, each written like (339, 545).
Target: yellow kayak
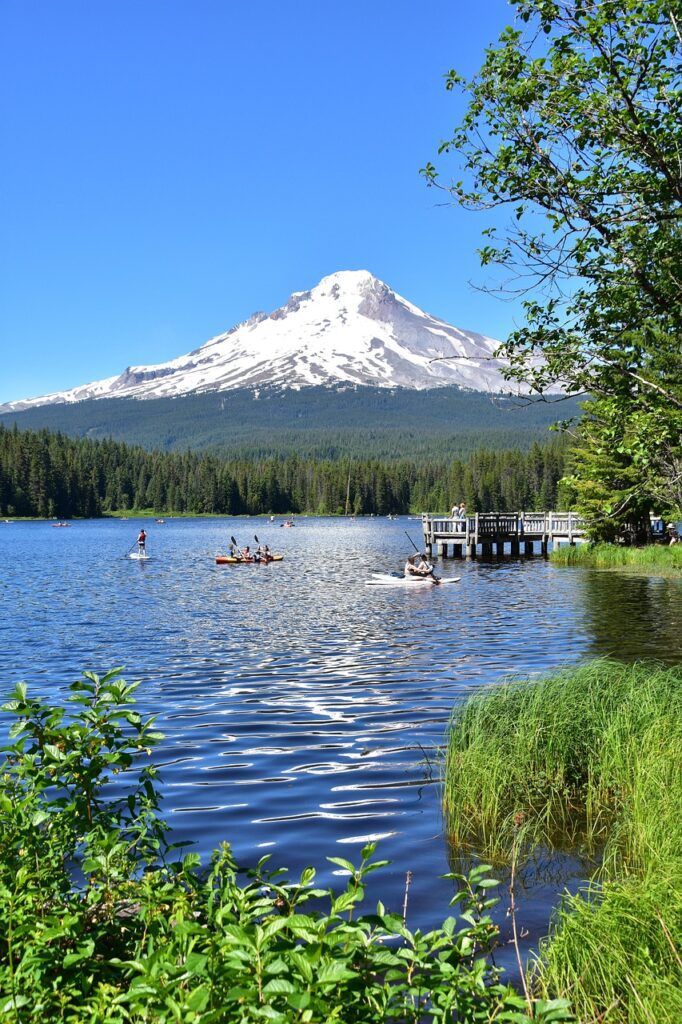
(233, 560)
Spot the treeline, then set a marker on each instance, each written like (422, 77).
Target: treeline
(44, 474)
(317, 422)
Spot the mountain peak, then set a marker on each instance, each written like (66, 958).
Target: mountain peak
(348, 280)
(350, 327)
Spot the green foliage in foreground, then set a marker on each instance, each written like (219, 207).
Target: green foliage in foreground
(590, 758)
(98, 922)
(656, 558)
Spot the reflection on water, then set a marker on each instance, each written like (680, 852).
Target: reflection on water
(631, 617)
(301, 709)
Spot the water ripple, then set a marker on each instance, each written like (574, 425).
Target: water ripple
(300, 709)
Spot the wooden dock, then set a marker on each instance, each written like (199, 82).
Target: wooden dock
(487, 533)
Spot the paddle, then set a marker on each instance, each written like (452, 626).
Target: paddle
(130, 549)
(236, 547)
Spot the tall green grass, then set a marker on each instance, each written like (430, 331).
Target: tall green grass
(591, 758)
(552, 760)
(655, 558)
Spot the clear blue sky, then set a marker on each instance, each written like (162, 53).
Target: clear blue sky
(171, 166)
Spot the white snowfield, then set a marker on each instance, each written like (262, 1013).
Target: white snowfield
(351, 328)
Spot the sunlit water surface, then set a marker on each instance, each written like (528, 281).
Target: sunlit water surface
(304, 712)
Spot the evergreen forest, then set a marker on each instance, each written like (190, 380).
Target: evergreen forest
(314, 422)
(45, 474)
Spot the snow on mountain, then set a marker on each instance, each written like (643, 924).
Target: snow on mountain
(350, 328)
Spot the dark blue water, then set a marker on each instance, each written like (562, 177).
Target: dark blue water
(303, 711)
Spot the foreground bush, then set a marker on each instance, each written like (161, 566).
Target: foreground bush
(98, 922)
(590, 759)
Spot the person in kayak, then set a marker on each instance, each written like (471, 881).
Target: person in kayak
(417, 567)
(246, 555)
(141, 542)
(263, 553)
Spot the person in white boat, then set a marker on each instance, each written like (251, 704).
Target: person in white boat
(418, 566)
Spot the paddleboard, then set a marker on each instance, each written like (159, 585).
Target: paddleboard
(139, 557)
(384, 579)
(231, 560)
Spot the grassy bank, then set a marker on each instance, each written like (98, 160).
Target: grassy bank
(659, 559)
(589, 758)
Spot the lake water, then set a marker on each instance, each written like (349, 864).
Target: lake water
(303, 711)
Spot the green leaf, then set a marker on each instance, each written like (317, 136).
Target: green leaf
(350, 868)
(14, 1004)
(345, 901)
(84, 952)
(196, 963)
(299, 1000)
(198, 998)
(279, 986)
(54, 752)
(333, 972)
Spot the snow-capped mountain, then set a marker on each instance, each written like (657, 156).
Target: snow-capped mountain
(350, 328)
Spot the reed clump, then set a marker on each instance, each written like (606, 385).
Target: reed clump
(655, 558)
(590, 758)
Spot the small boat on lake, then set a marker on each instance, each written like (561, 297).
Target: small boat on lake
(387, 579)
(235, 560)
(57, 526)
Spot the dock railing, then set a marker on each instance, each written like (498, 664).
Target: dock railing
(485, 529)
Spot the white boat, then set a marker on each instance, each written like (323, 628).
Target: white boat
(386, 579)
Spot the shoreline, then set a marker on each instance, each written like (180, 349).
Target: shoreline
(649, 560)
(589, 760)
